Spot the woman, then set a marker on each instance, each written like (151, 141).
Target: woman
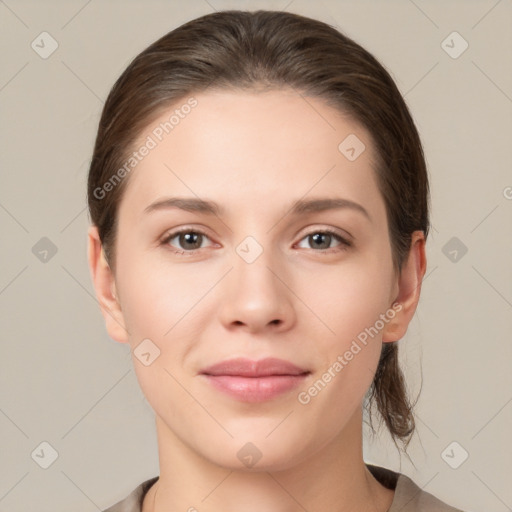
(259, 205)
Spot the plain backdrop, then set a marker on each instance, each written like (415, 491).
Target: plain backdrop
(65, 383)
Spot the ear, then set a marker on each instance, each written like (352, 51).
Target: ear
(104, 285)
(409, 288)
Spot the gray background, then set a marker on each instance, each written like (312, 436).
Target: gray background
(63, 381)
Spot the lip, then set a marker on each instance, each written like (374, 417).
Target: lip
(255, 381)
(247, 368)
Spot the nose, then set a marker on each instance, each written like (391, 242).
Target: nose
(257, 296)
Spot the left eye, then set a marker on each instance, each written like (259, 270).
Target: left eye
(323, 239)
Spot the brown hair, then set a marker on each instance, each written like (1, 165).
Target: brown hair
(274, 50)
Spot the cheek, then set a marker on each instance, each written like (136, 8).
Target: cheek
(161, 302)
(349, 298)
(157, 296)
(351, 305)
(350, 301)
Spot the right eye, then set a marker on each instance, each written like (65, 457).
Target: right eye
(189, 240)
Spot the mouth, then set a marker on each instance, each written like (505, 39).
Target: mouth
(254, 381)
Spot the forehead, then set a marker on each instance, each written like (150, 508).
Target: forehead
(242, 147)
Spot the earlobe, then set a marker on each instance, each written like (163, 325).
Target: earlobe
(409, 288)
(105, 288)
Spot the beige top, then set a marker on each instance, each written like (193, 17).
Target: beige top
(408, 496)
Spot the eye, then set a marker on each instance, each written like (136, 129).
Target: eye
(188, 240)
(322, 239)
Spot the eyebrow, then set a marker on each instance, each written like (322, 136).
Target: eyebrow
(300, 206)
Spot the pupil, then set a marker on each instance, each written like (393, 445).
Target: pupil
(317, 237)
(191, 238)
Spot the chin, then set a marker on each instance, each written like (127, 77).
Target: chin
(256, 453)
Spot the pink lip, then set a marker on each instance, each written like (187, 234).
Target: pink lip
(254, 381)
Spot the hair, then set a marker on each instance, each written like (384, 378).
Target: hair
(272, 50)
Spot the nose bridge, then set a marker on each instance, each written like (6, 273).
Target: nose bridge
(252, 268)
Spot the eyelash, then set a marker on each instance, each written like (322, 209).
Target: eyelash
(344, 244)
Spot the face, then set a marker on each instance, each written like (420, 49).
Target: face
(284, 253)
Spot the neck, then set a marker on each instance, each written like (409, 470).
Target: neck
(333, 478)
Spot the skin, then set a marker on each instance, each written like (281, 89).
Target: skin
(255, 154)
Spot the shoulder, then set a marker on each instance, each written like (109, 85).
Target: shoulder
(409, 497)
(133, 502)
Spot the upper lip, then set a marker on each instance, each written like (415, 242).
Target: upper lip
(247, 368)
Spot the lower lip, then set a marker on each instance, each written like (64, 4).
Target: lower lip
(255, 389)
